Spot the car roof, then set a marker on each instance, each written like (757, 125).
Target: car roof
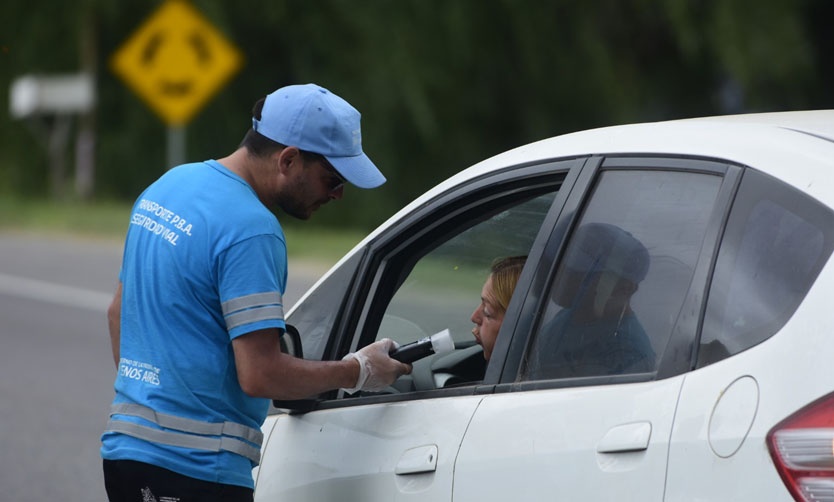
(796, 147)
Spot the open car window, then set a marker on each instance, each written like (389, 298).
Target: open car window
(444, 288)
(430, 277)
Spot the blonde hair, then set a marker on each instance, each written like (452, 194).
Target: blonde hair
(505, 273)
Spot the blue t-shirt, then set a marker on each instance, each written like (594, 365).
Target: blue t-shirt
(204, 262)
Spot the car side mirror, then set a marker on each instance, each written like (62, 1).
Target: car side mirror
(290, 341)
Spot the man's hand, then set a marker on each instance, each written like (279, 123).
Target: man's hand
(377, 370)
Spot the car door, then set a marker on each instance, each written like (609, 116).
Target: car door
(419, 276)
(596, 348)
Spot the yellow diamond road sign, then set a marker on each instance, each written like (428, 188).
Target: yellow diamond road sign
(176, 61)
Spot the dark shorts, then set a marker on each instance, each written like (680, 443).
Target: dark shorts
(129, 481)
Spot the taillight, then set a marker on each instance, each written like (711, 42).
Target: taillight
(802, 447)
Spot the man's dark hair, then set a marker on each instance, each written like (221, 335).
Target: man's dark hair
(259, 145)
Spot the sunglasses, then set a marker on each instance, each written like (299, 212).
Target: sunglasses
(336, 180)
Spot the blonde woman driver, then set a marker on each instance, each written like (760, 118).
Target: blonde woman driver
(495, 296)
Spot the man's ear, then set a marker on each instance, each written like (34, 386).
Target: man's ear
(287, 157)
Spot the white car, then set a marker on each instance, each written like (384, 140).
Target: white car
(726, 394)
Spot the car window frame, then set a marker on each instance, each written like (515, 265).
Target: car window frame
(756, 186)
(350, 331)
(524, 317)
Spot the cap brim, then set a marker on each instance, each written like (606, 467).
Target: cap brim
(358, 170)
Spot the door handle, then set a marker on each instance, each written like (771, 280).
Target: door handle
(626, 438)
(417, 460)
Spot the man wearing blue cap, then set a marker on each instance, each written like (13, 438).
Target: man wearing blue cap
(197, 315)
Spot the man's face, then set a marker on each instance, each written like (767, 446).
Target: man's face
(309, 185)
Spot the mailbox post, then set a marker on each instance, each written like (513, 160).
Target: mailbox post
(49, 103)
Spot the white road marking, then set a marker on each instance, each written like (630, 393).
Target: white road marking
(51, 292)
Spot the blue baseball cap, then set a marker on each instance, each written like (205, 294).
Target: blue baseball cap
(602, 247)
(311, 118)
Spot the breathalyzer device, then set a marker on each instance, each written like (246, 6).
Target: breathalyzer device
(438, 343)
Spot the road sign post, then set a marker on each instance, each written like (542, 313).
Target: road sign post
(175, 61)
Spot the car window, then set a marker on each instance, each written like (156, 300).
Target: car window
(623, 276)
(444, 287)
(315, 317)
(776, 242)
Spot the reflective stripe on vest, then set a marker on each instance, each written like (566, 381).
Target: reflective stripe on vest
(253, 308)
(184, 429)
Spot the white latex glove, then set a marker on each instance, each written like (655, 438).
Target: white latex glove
(376, 368)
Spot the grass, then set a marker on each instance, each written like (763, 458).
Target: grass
(104, 220)
(108, 220)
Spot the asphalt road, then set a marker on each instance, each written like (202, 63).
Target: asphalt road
(56, 370)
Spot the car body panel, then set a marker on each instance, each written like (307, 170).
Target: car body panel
(791, 369)
(555, 444)
(354, 453)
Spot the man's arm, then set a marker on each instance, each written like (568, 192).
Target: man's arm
(264, 371)
(114, 315)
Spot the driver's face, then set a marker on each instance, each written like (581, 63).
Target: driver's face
(487, 318)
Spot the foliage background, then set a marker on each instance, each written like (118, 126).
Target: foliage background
(441, 84)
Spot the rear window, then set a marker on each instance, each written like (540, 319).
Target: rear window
(776, 242)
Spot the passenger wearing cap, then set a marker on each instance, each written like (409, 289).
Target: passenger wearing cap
(596, 332)
(198, 310)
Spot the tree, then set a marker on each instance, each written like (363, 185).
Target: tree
(441, 84)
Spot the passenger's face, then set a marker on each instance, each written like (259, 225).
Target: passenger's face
(569, 285)
(487, 318)
(593, 296)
